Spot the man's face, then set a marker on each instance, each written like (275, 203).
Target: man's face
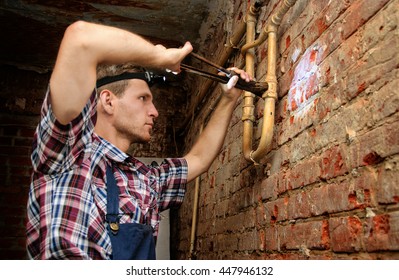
(135, 113)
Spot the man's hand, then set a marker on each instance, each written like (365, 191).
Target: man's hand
(229, 88)
(172, 57)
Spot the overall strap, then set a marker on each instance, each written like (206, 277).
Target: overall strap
(112, 216)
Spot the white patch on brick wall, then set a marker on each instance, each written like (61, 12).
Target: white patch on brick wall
(305, 83)
(295, 55)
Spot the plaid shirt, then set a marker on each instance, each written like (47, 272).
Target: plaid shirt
(68, 194)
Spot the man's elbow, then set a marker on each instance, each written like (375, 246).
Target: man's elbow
(76, 35)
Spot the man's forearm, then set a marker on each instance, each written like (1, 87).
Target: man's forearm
(211, 140)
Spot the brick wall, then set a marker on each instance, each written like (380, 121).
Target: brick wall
(21, 97)
(15, 169)
(329, 189)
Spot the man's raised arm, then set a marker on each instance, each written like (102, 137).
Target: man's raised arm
(84, 46)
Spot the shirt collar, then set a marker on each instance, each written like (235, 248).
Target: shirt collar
(111, 152)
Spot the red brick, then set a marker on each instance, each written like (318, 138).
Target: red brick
(359, 12)
(314, 23)
(271, 238)
(382, 232)
(333, 163)
(369, 70)
(363, 190)
(27, 132)
(385, 101)
(249, 241)
(346, 234)
(299, 206)
(6, 141)
(310, 234)
(304, 173)
(331, 198)
(270, 186)
(16, 151)
(277, 210)
(373, 146)
(227, 242)
(388, 182)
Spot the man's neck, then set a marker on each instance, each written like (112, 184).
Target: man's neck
(109, 135)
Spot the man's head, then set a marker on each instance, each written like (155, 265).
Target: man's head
(118, 87)
(126, 112)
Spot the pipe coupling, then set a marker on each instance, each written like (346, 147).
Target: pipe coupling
(277, 18)
(270, 94)
(248, 113)
(254, 11)
(251, 15)
(271, 90)
(248, 117)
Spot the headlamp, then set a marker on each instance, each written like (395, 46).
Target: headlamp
(150, 77)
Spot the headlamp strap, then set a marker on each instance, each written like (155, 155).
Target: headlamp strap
(146, 76)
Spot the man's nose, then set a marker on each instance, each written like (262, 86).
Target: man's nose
(153, 111)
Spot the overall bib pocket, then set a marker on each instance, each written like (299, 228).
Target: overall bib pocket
(129, 241)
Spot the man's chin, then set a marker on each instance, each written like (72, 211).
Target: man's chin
(142, 140)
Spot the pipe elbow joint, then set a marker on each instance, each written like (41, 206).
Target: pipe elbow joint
(251, 157)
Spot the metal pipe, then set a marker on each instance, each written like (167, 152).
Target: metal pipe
(248, 107)
(234, 40)
(254, 43)
(270, 95)
(195, 211)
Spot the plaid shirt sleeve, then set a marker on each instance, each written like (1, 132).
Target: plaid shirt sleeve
(56, 146)
(168, 187)
(57, 216)
(171, 182)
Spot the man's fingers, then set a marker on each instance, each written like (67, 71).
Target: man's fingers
(187, 48)
(232, 82)
(243, 75)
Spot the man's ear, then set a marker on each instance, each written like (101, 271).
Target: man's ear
(106, 99)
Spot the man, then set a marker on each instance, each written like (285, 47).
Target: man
(79, 152)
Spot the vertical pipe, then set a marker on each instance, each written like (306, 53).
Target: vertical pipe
(234, 40)
(270, 95)
(248, 108)
(195, 211)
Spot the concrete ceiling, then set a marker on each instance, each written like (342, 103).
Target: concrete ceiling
(31, 30)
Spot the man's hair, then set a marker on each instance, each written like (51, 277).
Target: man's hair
(118, 87)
